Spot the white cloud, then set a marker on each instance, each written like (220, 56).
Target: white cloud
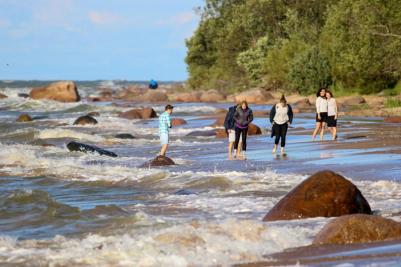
(105, 18)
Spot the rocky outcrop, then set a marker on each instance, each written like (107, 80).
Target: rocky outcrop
(212, 96)
(2, 96)
(84, 120)
(351, 100)
(324, 194)
(153, 96)
(188, 97)
(393, 119)
(254, 96)
(303, 104)
(144, 113)
(24, 118)
(125, 136)
(158, 162)
(59, 91)
(75, 146)
(178, 122)
(358, 228)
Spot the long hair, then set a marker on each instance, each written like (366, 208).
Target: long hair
(320, 90)
(244, 102)
(283, 100)
(330, 93)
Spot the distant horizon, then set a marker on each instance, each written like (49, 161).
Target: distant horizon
(51, 40)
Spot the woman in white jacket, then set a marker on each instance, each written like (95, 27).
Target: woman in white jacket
(321, 113)
(332, 114)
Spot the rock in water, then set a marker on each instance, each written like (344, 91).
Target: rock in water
(253, 129)
(75, 146)
(393, 119)
(178, 122)
(83, 120)
(58, 91)
(24, 118)
(144, 113)
(324, 194)
(358, 228)
(159, 161)
(23, 95)
(2, 96)
(125, 136)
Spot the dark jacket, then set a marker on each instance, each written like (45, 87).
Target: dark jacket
(289, 113)
(229, 122)
(243, 117)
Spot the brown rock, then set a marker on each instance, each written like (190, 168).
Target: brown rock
(303, 104)
(351, 100)
(58, 91)
(212, 96)
(358, 228)
(159, 161)
(260, 113)
(393, 119)
(324, 194)
(221, 133)
(24, 118)
(153, 96)
(84, 120)
(2, 96)
(219, 122)
(178, 122)
(255, 96)
(144, 113)
(254, 129)
(188, 97)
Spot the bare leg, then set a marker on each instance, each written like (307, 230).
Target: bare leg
(230, 150)
(334, 133)
(163, 150)
(322, 131)
(317, 128)
(274, 149)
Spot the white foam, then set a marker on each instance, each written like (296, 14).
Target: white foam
(66, 133)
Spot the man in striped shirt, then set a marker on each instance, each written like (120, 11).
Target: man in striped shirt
(164, 126)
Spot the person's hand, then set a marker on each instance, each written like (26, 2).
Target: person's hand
(289, 123)
(319, 118)
(335, 117)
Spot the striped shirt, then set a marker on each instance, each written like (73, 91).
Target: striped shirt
(164, 123)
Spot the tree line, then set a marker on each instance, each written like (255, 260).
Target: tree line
(297, 45)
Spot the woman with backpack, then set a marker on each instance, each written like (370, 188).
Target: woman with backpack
(281, 116)
(243, 116)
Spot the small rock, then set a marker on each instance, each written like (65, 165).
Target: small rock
(23, 95)
(24, 118)
(253, 129)
(2, 96)
(84, 120)
(159, 161)
(125, 136)
(178, 122)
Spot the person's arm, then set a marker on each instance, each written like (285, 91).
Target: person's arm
(272, 114)
(318, 107)
(250, 117)
(336, 116)
(290, 114)
(169, 121)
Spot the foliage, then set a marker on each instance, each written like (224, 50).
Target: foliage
(392, 103)
(297, 45)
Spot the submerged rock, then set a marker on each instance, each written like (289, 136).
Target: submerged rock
(83, 120)
(3, 96)
(324, 194)
(358, 228)
(144, 113)
(24, 118)
(178, 122)
(125, 136)
(159, 161)
(23, 95)
(75, 146)
(59, 91)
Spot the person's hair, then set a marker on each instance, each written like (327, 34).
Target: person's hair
(330, 93)
(283, 100)
(320, 90)
(244, 102)
(168, 107)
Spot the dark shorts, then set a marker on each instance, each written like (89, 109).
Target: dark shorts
(323, 117)
(331, 122)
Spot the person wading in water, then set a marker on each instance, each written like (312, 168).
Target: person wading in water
(280, 117)
(229, 125)
(243, 116)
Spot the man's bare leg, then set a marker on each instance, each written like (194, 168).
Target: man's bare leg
(163, 150)
(230, 150)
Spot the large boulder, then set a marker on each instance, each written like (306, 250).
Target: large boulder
(324, 194)
(393, 119)
(351, 100)
(24, 118)
(153, 96)
(255, 96)
(143, 113)
(2, 96)
(59, 91)
(84, 120)
(358, 228)
(188, 97)
(75, 146)
(159, 161)
(253, 129)
(212, 96)
(178, 122)
(303, 104)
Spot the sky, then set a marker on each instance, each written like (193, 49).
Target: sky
(95, 39)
